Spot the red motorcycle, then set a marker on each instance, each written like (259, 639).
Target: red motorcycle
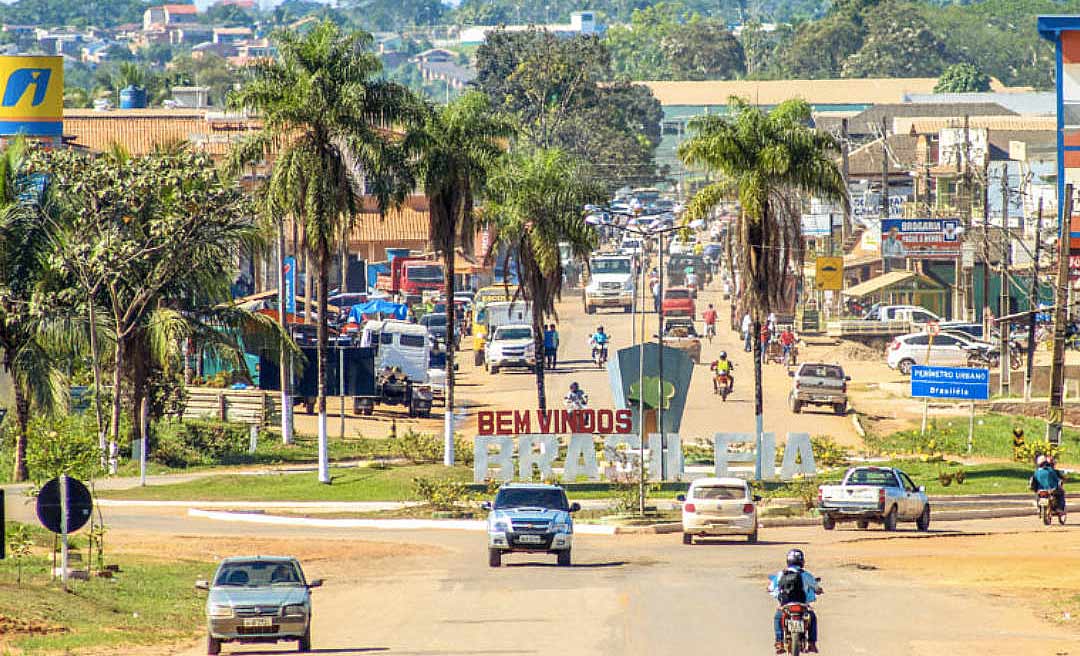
(795, 621)
(722, 382)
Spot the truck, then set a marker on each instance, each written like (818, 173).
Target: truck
(402, 367)
(880, 495)
(531, 518)
(411, 276)
(611, 283)
(881, 323)
(491, 316)
(511, 345)
(483, 297)
(816, 383)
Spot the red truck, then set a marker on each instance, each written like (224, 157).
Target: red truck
(410, 275)
(678, 302)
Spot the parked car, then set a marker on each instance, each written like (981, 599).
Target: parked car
(882, 495)
(912, 313)
(949, 349)
(678, 302)
(258, 599)
(681, 334)
(819, 384)
(530, 518)
(719, 507)
(510, 345)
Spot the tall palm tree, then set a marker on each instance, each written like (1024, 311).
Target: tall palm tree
(35, 377)
(767, 161)
(537, 201)
(326, 118)
(458, 146)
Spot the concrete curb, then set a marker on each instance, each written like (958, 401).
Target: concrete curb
(858, 425)
(331, 506)
(384, 524)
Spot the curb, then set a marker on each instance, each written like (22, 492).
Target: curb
(858, 425)
(478, 525)
(341, 506)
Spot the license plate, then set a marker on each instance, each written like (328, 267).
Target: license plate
(822, 399)
(796, 626)
(530, 539)
(258, 621)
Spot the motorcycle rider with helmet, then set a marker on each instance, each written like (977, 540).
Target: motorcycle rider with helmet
(1048, 478)
(576, 397)
(598, 340)
(794, 584)
(721, 366)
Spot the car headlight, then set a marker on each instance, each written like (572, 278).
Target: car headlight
(563, 527)
(530, 349)
(220, 611)
(501, 526)
(294, 610)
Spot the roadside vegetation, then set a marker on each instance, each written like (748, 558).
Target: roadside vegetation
(993, 438)
(148, 601)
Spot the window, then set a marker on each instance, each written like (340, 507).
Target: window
(922, 317)
(553, 498)
(425, 272)
(513, 333)
(677, 293)
(258, 573)
(871, 476)
(908, 484)
(822, 371)
(946, 340)
(620, 265)
(386, 338)
(918, 340)
(412, 340)
(719, 492)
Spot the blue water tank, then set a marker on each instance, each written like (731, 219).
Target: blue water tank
(132, 97)
(392, 253)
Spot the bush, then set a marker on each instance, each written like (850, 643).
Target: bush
(425, 448)
(1035, 448)
(827, 453)
(945, 478)
(63, 445)
(191, 443)
(441, 493)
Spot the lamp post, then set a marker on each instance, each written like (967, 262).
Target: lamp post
(656, 230)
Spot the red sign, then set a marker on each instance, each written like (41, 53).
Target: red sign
(523, 422)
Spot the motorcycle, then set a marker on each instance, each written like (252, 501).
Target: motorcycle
(577, 402)
(722, 384)
(795, 620)
(599, 355)
(1048, 509)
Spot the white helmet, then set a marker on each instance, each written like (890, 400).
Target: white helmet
(1040, 460)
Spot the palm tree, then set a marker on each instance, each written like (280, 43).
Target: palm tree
(36, 380)
(459, 145)
(767, 161)
(326, 116)
(536, 202)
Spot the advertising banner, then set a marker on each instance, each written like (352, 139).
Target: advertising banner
(937, 239)
(33, 96)
(816, 225)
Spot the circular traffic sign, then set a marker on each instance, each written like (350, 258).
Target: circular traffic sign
(934, 328)
(79, 505)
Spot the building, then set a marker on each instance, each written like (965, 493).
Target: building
(251, 51)
(231, 35)
(581, 22)
(168, 16)
(440, 65)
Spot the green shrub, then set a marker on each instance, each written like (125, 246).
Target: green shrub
(425, 448)
(441, 493)
(945, 478)
(193, 442)
(63, 445)
(1035, 448)
(828, 453)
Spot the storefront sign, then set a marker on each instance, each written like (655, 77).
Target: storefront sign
(920, 238)
(33, 96)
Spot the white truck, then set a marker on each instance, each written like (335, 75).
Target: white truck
(881, 495)
(611, 283)
(402, 366)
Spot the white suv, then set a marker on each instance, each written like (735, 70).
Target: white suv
(511, 345)
(949, 349)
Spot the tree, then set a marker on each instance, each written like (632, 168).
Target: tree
(818, 49)
(536, 200)
(36, 380)
(460, 144)
(324, 108)
(765, 161)
(704, 50)
(898, 43)
(962, 78)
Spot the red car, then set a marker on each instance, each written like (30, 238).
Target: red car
(678, 302)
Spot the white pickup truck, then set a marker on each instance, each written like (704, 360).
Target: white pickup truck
(882, 495)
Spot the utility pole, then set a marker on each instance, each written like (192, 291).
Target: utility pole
(961, 281)
(660, 354)
(1033, 306)
(1055, 413)
(845, 171)
(985, 258)
(884, 170)
(1003, 286)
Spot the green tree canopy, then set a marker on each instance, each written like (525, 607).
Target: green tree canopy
(962, 78)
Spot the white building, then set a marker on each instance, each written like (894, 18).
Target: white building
(581, 22)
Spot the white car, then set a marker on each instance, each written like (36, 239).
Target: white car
(950, 349)
(719, 507)
(511, 345)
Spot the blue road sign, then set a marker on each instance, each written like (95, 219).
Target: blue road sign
(961, 383)
(290, 285)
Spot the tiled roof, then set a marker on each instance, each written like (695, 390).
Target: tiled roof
(869, 120)
(409, 223)
(181, 9)
(934, 124)
(866, 160)
(140, 131)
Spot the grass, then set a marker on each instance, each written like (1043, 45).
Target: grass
(388, 483)
(992, 437)
(150, 601)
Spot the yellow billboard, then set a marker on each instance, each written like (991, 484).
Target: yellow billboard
(32, 102)
(830, 274)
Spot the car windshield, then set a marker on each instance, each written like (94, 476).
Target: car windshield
(257, 574)
(433, 320)
(677, 293)
(871, 477)
(513, 333)
(719, 492)
(821, 371)
(426, 272)
(611, 266)
(518, 497)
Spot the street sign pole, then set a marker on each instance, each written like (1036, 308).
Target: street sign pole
(1055, 413)
(932, 329)
(64, 530)
(971, 429)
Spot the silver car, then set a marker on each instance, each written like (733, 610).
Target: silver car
(258, 599)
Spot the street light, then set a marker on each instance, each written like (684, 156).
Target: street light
(655, 229)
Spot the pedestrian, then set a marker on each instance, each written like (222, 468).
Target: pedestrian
(766, 336)
(747, 334)
(550, 344)
(656, 295)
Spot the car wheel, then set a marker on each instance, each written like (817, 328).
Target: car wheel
(494, 557)
(213, 646)
(478, 358)
(862, 524)
(304, 644)
(827, 522)
(796, 407)
(494, 370)
(841, 409)
(890, 519)
(687, 538)
(905, 366)
(752, 538)
(923, 522)
(564, 558)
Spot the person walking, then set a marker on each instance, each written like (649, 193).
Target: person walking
(656, 295)
(551, 346)
(747, 333)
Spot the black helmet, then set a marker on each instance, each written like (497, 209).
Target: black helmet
(599, 329)
(795, 558)
(723, 355)
(573, 386)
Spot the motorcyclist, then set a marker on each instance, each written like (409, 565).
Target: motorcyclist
(1059, 494)
(576, 396)
(794, 584)
(1048, 478)
(723, 365)
(598, 340)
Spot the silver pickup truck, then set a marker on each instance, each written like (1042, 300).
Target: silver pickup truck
(819, 384)
(882, 495)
